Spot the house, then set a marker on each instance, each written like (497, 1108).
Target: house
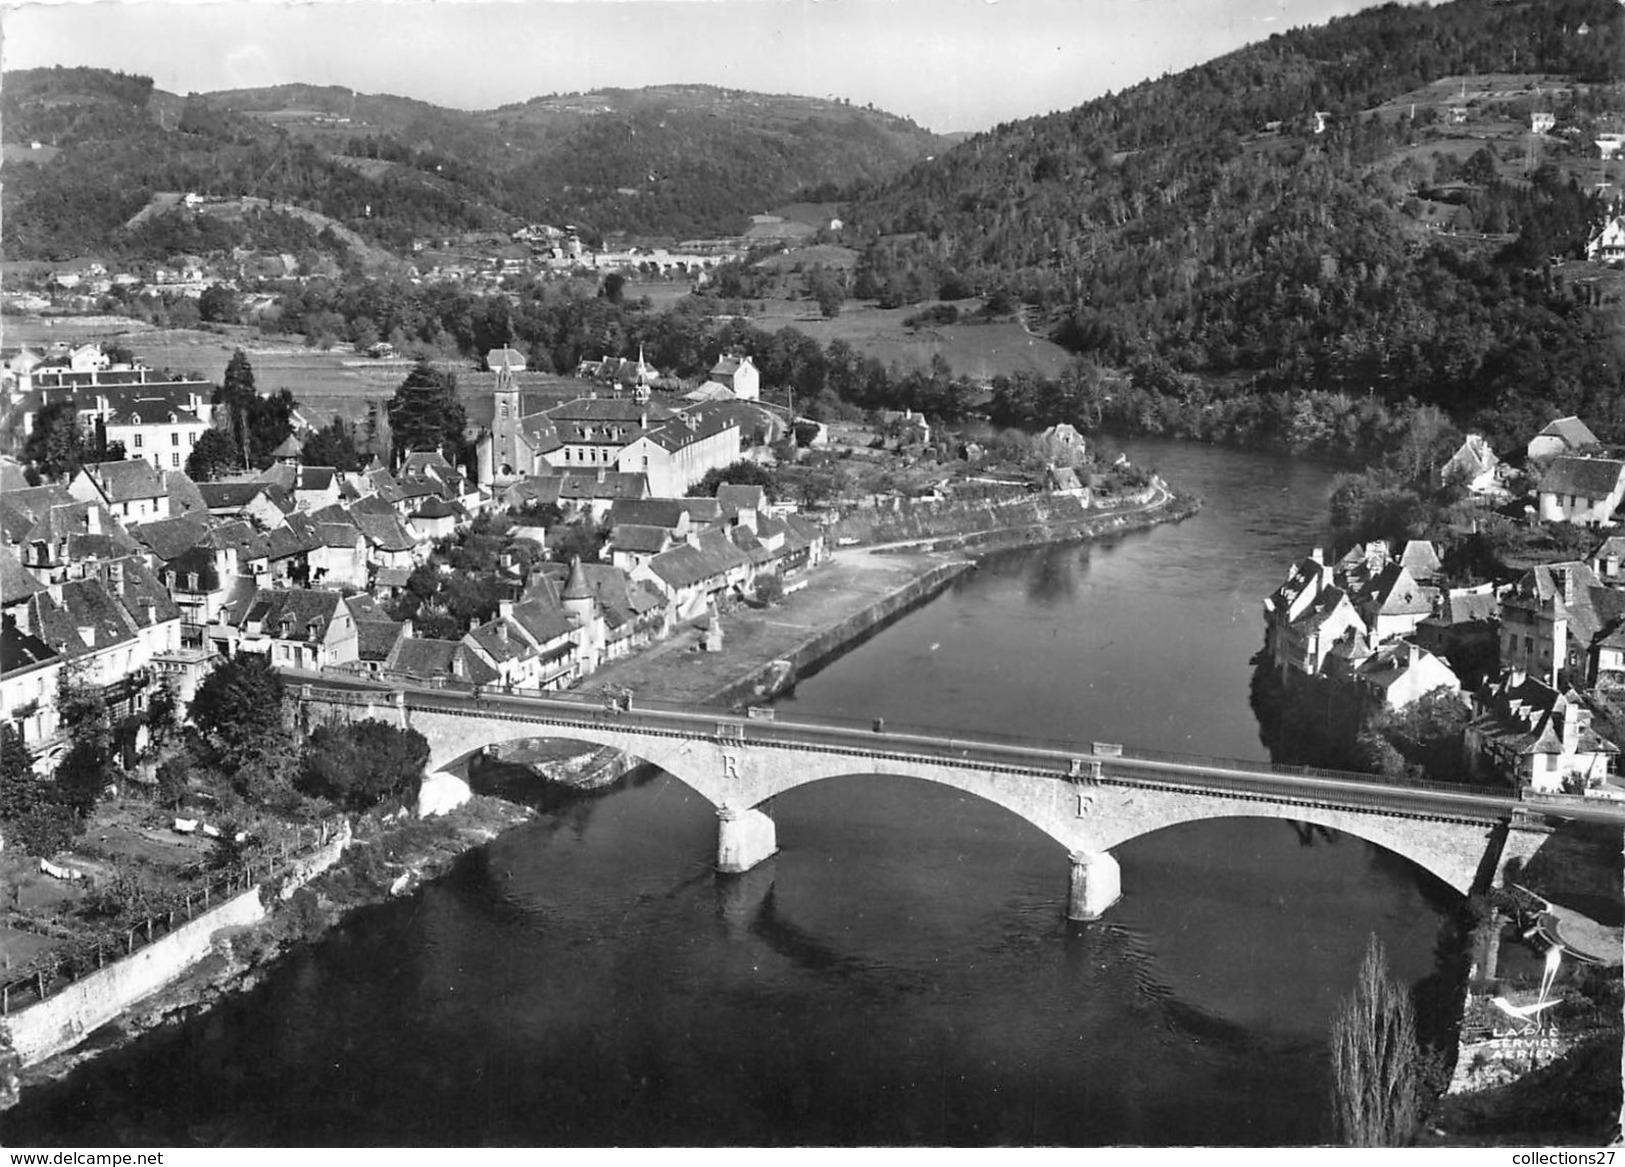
(435, 662)
(1608, 559)
(1063, 480)
(263, 503)
(1586, 491)
(435, 518)
(1566, 435)
(293, 627)
(1528, 733)
(693, 576)
(908, 428)
(1542, 121)
(30, 669)
(631, 545)
(1550, 617)
(1392, 604)
(738, 375)
(131, 490)
(1396, 675)
(676, 455)
(1475, 468)
(1464, 628)
(1608, 244)
(156, 429)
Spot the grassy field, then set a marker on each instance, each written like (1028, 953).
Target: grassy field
(980, 351)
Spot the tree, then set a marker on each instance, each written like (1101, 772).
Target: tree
(21, 789)
(357, 765)
(214, 456)
(741, 473)
(425, 413)
(614, 287)
(239, 711)
(1375, 1059)
(218, 304)
(334, 446)
(56, 447)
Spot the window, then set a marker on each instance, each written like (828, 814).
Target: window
(504, 409)
(175, 461)
(136, 440)
(191, 438)
(174, 437)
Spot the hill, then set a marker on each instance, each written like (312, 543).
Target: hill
(675, 161)
(1266, 217)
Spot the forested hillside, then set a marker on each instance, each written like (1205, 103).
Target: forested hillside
(1205, 222)
(676, 161)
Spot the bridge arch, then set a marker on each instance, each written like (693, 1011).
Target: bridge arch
(738, 770)
(1450, 852)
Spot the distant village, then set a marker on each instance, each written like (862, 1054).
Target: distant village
(1538, 663)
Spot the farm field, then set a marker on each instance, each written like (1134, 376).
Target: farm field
(978, 351)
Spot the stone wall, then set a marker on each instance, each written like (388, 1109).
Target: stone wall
(69, 1015)
(66, 1017)
(778, 675)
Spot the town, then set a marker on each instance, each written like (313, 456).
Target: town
(1532, 666)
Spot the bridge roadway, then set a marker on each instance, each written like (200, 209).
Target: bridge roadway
(740, 762)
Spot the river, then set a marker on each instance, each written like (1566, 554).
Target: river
(900, 973)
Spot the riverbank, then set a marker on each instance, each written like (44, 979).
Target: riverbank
(385, 858)
(862, 590)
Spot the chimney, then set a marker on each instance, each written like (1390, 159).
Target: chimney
(505, 609)
(502, 631)
(1318, 555)
(1413, 654)
(1568, 586)
(1572, 716)
(600, 476)
(406, 629)
(93, 519)
(88, 635)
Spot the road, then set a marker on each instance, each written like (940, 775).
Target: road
(1057, 760)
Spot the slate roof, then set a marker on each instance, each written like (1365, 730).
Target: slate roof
(687, 565)
(141, 592)
(665, 513)
(86, 620)
(542, 620)
(184, 497)
(1468, 609)
(639, 539)
(1575, 434)
(20, 510)
(584, 485)
(701, 422)
(1393, 592)
(385, 531)
(1591, 478)
(732, 498)
(126, 481)
(292, 613)
(438, 508)
(168, 538)
(427, 659)
(219, 496)
(21, 650)
(150, 412)
(15, 583)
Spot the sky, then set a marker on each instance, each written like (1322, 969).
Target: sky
(948, 64)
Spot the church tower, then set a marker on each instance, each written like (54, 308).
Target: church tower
(510, 456)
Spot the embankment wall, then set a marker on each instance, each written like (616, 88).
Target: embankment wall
(68, 1016)
(778, 675)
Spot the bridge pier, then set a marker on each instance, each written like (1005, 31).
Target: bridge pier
(1097, 884)
(744, 838)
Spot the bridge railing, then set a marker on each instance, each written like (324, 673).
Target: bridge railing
(880, 736)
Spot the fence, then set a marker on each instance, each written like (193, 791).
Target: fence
(57, 972)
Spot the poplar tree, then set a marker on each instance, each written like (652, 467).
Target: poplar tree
(1376, 1089)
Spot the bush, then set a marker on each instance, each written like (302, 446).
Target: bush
(358, 765)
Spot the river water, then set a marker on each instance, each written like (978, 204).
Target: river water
(900, 973)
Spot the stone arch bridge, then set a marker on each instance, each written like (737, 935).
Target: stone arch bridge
(1088, 799)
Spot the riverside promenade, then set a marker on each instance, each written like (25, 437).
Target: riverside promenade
(860, 590)
(845, 598)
